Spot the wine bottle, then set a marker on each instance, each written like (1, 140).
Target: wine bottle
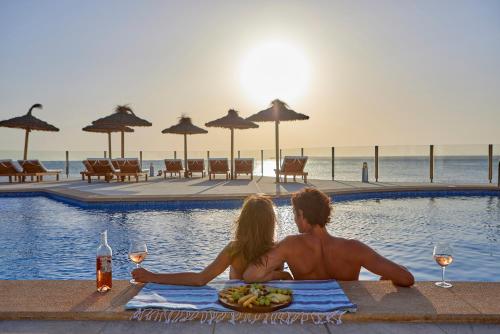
(103, 264)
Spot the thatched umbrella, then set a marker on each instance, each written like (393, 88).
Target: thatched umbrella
(107, 128)
(232, 121)
(123, 116)
(277, 112)
(185, 127)
(29, 123)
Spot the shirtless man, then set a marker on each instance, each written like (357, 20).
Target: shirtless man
(314, 254)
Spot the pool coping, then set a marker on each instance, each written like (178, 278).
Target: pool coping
(379, 190)
(377, 301)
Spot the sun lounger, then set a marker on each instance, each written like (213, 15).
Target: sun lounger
(88, 169)
(100, 167)
(293, 166)
(129, 167)
(218, 166)
(10, 168)
(195, 166)
(34, 168)
(172, 166)
(243, 166)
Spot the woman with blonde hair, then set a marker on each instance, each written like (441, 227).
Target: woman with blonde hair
(253, 238)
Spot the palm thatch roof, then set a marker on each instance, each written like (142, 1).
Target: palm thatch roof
(123, 116)
(232, 121)
(107, 128)
(277, 112)
(184, 127)
(29, 122)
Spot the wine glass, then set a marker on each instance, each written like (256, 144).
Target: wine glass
(137, 253)
(443, 255)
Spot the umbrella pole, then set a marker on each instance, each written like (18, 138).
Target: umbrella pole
(185, 156)
(109, 145)
(232, 153)
(277, 134)
(123, 144)
(26, 136)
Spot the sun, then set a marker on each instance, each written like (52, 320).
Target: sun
(275, 70)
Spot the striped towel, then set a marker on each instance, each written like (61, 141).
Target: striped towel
(317, 301)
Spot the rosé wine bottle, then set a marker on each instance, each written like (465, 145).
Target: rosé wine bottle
(103, 264)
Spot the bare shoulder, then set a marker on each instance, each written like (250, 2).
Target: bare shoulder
(353, 247)
(290, 242)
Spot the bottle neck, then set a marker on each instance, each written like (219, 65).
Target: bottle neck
(104, 238)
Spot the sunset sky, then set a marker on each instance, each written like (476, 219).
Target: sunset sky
(366, 72)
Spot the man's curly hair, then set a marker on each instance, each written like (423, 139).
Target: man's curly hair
(315, 205)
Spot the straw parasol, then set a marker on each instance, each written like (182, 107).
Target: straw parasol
(107, 128)
(232, 121)
(185, 127)
(123, 116)
(277, 112)
(29, 123)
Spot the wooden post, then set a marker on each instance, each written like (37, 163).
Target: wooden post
(109, 144)
(175, 154)
(123, 144)
(185, 156)
(140, 159)
(431, 162)
(498, 179)
(26, 137)
(278, 157)
(67, 164)
(333, 163)
(105, 154)
(376, 163)
(232, 153)
(262, 162)
(302, 152)
(208, 163)
(239, 154)
(490, 162)
(281, 157)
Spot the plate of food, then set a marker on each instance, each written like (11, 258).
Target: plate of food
(255, 298)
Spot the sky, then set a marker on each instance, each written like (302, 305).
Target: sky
(366, 72)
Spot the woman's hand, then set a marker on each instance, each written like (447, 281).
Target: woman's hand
(142, 275)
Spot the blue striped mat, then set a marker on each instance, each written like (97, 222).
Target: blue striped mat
(308, 297)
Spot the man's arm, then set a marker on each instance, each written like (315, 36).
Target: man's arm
(272, 261)
(383, 267)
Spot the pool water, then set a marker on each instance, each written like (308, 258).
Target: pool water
(47, 239)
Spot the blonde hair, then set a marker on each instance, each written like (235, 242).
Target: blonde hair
(254, 229)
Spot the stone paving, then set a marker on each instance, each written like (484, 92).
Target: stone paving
(127, 327)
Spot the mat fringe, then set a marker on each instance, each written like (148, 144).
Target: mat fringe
(209, 317)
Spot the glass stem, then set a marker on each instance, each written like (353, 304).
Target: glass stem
(442, 274)
(137, 265)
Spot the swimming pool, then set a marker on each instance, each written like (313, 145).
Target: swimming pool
(44, 238)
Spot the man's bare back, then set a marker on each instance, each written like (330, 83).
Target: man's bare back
(314, 254)
(327, 257)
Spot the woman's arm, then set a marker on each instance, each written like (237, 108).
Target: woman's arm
(221, 262)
